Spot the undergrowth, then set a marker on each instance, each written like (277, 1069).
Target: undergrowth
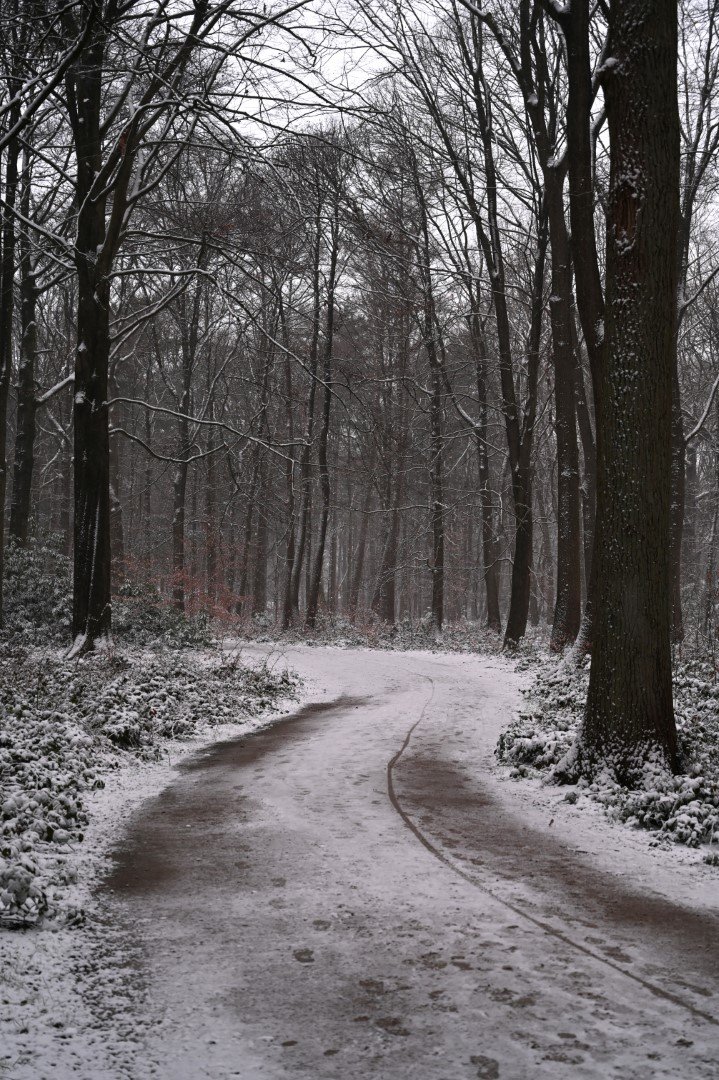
(64, 725)
(463, 637)
(544, 740)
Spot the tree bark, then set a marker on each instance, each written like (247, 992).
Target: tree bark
(361, 548)
(490, 565)
(25, 427)
(521, 445)
(301, 543)
(92, 608)
(677, 503)
(574, 21)
(7, 304)
(629, 704)
(567, 611)
(322, 459)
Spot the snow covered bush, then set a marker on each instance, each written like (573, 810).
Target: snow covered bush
(37, 587)
(141, 616)
(38, 603)
(543, 740)
(64, 725)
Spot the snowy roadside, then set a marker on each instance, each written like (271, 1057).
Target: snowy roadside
(43, 968)
(78, 1001)
(678, 815)
(674, 870)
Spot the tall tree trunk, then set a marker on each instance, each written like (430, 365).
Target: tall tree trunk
(25, 428)
(332, 586)
(431, 332)
(179, 513)
(117, 532)
(7, 286)
(189, 332)
(357, 563)
(677, 503)
(384, 598)
(521, 447)
(567, 611)
(546, 563)
(589, 479)
(537, 83)
(287, 608)
(301, 543)
(629, 704)
(689, 552)
(574, 20)
(490, 564)
(92, 610)
(436, 483)
(259, 575)
(324, 471)
(211, 529)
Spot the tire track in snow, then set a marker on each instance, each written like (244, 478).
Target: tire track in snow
(657, 991)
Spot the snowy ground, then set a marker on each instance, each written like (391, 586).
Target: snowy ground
(283, 905)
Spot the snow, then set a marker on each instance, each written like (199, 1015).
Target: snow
(65, 725)
(43, 398)
(543, 738)
(305, 929)
(43, 971)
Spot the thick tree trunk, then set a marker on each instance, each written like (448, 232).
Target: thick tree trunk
(629, 704)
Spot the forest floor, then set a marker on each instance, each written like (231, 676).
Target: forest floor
(359, 890)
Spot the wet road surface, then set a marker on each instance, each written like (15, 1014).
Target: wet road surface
(346, 895)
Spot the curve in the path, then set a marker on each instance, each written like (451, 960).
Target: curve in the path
(282, 920)
(705, 927)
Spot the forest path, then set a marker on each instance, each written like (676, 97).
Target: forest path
(353, 893)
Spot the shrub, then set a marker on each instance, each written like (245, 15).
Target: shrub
(63, 725)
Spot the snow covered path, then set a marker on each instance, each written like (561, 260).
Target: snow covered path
(356, 893)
